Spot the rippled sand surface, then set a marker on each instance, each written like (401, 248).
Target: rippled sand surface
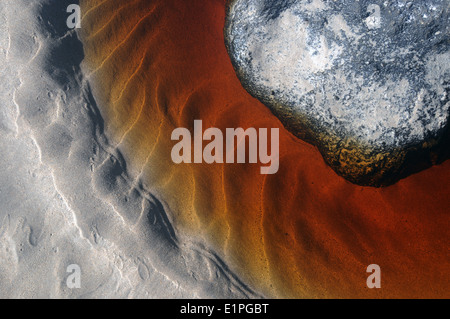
(87, 177)
(303, 232)
(66, 196)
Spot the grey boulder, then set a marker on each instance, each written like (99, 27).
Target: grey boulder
(367, 82)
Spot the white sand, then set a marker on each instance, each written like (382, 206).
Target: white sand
(65, 197)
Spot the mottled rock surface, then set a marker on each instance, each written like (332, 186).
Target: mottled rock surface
(367, 82)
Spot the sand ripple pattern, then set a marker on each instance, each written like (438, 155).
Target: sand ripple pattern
(112, 225)
(304, 232)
